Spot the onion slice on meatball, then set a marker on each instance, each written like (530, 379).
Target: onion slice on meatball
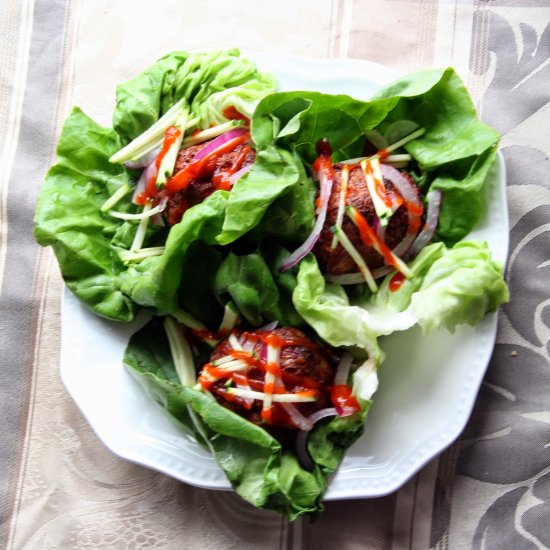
(413, 204)
(219, 142)
(432, 219)
(326, 181)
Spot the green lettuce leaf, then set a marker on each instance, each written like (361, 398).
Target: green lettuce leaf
(275, 173)
(86, 241)
(438, 101)
(196, 291)
(455, 152)
(240, 278)
(449, 287)
(259, 468)
(68, 217)
(459, 288)
(326, 308)
(154, 282)
(208, 81)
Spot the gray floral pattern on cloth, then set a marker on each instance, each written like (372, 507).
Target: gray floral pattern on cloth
(503, 456)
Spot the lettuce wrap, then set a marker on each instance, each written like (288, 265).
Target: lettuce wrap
(229, 248)
(260, 469)
(87, 241)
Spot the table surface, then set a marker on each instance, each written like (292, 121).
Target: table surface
(60, 487)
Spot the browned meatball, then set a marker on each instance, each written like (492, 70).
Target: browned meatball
(338, 261)
(303, 366)
(199, 189)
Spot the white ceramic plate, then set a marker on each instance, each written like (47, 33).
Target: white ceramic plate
(428, 385)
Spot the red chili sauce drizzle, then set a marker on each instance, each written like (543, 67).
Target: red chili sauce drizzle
(222, 179)
(323, 163)
(379, 188)
(254, 378)
(201, 169)
(171, 134)
(344, 402)
(416, 211)
(396, 281)
(370, 238)
(231, 113)
(204, 167)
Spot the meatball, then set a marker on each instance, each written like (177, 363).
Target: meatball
(338, 261)
(303, 366)
(199, 189)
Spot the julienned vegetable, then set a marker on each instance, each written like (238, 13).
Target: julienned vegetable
(72, 210)
(189, 207)
(324, 173)
(261, 468)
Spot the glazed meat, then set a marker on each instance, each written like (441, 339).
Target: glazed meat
(303, 365)
(199, 189)
(338, 261)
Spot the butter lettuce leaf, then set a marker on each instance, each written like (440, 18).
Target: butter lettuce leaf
(276, 187)
(259, 468)
(448, 287)
(327, 309)
(154, 282)
(208, 81)
(86, 241)
(455, 152)
(460, 288)
(255, 285)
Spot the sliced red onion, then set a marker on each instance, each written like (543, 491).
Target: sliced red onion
(269, 327)
(342, 370)
(219, 141)
(322, 413)
(357, 278)
(263, 352)
(157, 219)
(141, 185)
(143, 161)
(408, 192)
(298, 419)
(246, 343)
(404, 246)
(405, 188)
(432, 218)
(301, 439)
(234, 178)
(325, 183)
